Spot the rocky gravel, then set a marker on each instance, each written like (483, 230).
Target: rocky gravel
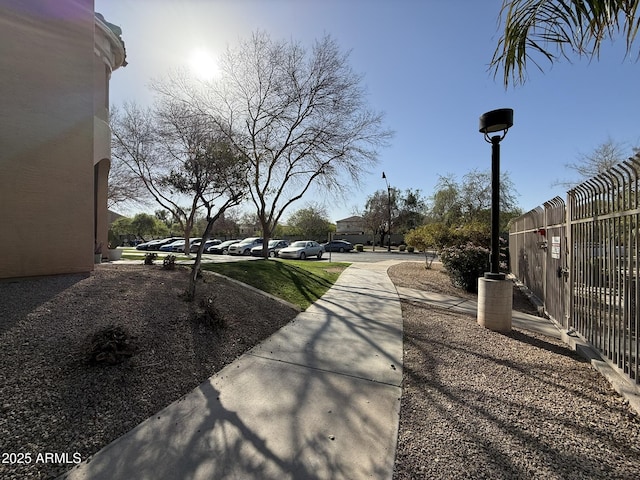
(476, 404)
(59, 407)
(481, 405)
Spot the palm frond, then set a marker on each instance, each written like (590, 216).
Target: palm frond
(555, 28)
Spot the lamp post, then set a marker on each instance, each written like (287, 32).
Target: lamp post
(388, 210)
(491, 122)
(495, 298)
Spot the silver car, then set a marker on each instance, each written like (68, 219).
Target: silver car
(274, 248)
(244, 247)
(302, 249)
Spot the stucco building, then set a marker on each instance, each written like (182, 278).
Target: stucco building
(56, 59)
(351, 226)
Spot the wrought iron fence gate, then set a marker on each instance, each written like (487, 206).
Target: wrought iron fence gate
(581, 260)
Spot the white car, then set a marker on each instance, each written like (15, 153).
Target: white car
(244, 247)
(302, 249)
(192, 241)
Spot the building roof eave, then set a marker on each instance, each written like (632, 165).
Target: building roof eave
(114, 34)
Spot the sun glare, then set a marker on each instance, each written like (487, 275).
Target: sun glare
(203, 64)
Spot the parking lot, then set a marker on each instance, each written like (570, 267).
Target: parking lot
(133, 255)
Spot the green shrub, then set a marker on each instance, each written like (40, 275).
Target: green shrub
(210, 316)
(359, 247)
(465, 264)
(169, 262)
(411, 249)
(149, 258)
(402, 247)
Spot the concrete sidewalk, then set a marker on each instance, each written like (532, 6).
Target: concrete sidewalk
(320, 399)
(520, 320)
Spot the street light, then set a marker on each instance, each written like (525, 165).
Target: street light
(495, 121)
(388, 209)
(495, 294)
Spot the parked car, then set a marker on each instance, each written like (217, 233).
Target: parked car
(155, 244)
(180, 246)
(302, 250)
(221, 248)
(337, 246)
(244, 247)
(145, 245)
(209, 243)
(170, 247)
(274, 247)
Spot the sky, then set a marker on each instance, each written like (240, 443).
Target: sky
(425, 64)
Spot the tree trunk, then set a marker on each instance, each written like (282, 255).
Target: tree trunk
(190, 293)
(187, 240)
(266, 234)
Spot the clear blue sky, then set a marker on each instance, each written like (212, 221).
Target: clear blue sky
(425, 64)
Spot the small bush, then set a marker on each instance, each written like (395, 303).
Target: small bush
(465, 264)
(210, 316)
(110, 346)
(429, 257)
(359, 247)
(169, 262)
(149, 258)
(411, 249)
(402, 247)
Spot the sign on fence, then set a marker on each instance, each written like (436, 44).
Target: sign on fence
(555, 247)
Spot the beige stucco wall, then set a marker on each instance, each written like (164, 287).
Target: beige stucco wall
(49, 71)
(108, 56)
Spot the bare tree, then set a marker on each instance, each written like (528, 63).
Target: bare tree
(588, 165)
(123, 186)
(180, 156)
(407, 210)
(299, 116)
(154, 146)
(379, 207)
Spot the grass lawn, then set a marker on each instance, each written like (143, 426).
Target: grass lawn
(300, 282)
(133, 254)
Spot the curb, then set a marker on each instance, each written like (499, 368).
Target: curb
(253, 289)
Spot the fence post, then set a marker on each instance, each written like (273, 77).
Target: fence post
(568, 259)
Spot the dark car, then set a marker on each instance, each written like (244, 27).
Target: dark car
(221, 248)
(156, 244)
(209, 243)
(337, 246)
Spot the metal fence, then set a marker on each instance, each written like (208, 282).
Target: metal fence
(580, 258)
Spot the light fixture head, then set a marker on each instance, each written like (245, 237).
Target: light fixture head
(496, 121)
(384, 176)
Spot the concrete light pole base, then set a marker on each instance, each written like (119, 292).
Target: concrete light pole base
(495, 304)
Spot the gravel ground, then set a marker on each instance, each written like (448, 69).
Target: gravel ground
(54, 401)
(476, 404)
(481, 405)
